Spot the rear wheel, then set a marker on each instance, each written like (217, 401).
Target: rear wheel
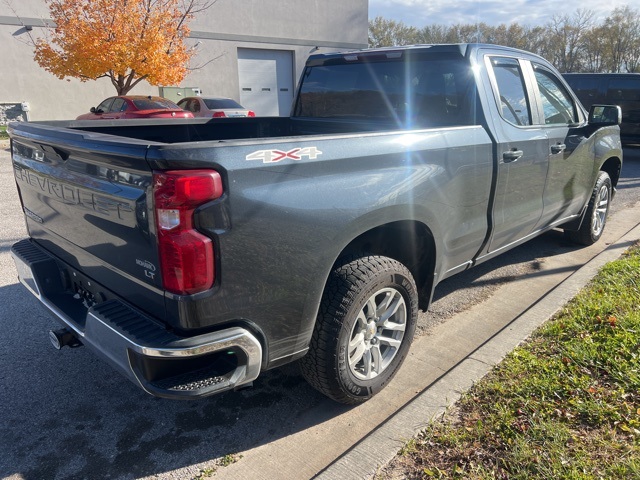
(364, 329)
(596, 215)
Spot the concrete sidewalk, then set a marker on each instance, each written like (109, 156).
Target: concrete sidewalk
(382, 445)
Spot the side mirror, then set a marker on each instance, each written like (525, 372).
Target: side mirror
(603, 115)
(92, 109)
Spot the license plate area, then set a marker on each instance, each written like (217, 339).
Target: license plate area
(86, 291)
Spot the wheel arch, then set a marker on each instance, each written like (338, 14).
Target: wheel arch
(408, 241)
(612, 166)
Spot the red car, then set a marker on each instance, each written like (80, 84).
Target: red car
(135, 106)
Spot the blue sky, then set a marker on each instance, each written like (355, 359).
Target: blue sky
(493, 12)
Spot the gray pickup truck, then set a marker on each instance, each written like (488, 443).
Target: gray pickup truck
(194, 254)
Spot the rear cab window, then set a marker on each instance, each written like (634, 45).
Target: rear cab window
(420, 92)
(511, 95)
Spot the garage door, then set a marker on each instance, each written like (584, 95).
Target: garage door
(266, 81)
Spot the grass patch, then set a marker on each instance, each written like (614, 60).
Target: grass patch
(205, 473)
(3, 132)
(564, 405)
(225, 461)
(230, 459)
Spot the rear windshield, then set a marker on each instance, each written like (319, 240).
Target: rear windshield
(413, 93)
(154, 103)
(212, 104)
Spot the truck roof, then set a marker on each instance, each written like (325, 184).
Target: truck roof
(461, 49)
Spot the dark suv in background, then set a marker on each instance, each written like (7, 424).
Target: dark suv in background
(621, 89)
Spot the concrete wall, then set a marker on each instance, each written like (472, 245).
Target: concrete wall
(299, 26)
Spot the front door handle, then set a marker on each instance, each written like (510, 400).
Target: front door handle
(558, 148)
(512, 155)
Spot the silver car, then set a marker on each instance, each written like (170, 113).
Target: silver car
(216, 107)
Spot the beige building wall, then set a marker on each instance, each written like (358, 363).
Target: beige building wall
(296, 26)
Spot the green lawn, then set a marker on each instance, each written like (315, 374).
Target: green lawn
(3, 132)
(564, 405)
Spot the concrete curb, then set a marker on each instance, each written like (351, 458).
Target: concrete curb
(376, 450)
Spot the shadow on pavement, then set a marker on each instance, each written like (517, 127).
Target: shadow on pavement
(69, 415)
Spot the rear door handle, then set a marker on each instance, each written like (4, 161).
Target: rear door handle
(558, 148)
(512, 155)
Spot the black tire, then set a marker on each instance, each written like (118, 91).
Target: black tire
(354, 353)
(595, 217)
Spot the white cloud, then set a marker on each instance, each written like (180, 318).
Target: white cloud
(493, 12)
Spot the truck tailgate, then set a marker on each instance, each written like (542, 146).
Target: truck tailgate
(85, 199)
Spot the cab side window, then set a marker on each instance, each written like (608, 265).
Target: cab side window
(558, 106)
(186, 105)
(512, 97)
(117, 105)
(104, 106)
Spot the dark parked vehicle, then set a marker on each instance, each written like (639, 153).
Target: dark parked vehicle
(135, 106)
(622, 89)
(193, 255)
(214, 107)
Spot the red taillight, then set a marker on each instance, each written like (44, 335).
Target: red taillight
(219, 114)
(251, 113)
(186, 256)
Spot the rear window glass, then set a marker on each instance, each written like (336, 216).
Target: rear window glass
(411, 94)
(213, 104)
(153, 103)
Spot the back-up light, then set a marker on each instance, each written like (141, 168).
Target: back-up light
(186, 256)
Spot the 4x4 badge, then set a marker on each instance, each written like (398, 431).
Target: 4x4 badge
(273, 156)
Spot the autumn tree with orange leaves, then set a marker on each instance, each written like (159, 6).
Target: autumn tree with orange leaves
(127, 41)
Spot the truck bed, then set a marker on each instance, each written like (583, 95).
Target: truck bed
(172, 131)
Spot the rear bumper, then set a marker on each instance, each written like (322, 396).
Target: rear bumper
(162, 363)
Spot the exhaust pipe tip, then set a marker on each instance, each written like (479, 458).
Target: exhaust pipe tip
(63, 337)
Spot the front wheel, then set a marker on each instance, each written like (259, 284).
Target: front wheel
(596, 215)
(364, 329)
